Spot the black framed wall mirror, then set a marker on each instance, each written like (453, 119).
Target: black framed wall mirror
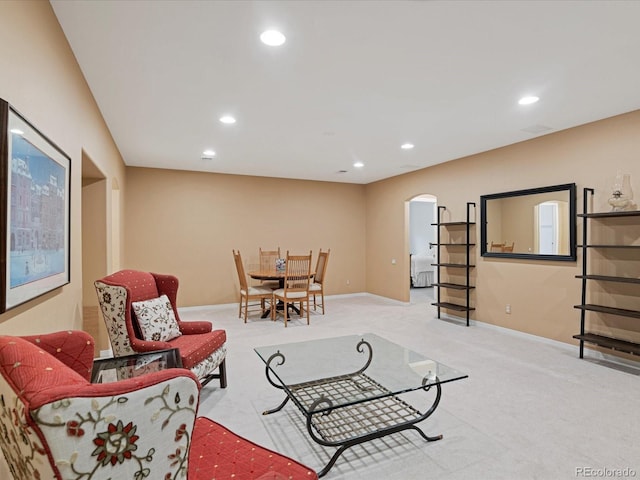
(535, 224)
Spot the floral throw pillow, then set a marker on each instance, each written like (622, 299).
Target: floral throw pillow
(156, 319)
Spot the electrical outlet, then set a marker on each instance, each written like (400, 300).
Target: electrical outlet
(507, 308)
(393, 261)
(348, 282)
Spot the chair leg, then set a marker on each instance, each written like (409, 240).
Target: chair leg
(240, 307)
(308, 308)
(273, 308)
(322, 297)
(286, 312)
(246, 308)
(223, 373)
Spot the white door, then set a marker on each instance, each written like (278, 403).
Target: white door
(548, 228)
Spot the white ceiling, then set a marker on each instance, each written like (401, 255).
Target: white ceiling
(354, 80)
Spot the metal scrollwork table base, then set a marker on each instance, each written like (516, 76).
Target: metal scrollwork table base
(346, 410)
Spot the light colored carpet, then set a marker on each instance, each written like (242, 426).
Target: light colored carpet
(530, 409)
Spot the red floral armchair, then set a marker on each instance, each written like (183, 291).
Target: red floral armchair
(54, 424)
(202, 349)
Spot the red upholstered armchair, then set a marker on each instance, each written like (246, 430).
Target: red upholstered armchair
(202, 349)
(54, 424)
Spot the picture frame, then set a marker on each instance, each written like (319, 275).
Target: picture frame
(35, 187)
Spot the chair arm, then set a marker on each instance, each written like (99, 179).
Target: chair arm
(136, 428)
(121, 387)
(195, 327)
(74, 348)
(141, 346)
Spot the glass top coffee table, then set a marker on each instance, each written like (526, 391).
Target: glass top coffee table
(351, 389)
(121, 368)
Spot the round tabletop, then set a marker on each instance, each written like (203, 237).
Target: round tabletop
(266, 274)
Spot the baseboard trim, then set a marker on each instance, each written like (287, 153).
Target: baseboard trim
(589, 353)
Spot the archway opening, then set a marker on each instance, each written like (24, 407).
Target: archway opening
(422, 236)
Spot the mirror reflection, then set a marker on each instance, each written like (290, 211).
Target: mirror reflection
(534, 223)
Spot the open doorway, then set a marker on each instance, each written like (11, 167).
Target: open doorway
(94, 248)
(547, 231)
(422, 237)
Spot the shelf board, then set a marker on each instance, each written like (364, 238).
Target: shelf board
(634, 213)
(454, 286)
(453, 265)
(453, 306)
(612, 343)
(615, 311)
(452, 224)
(608, 278)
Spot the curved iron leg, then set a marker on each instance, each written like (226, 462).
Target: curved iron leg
(328, 466)
(348, 443)
(424, 435)
(278, 408)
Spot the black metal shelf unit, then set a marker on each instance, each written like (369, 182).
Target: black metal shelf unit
(617, 344)
(442, 265)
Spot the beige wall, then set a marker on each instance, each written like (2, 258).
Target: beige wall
(541, 293)
(187, 223)
(41, 79)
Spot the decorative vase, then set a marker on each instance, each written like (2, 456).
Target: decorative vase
(622, 196)
(281, 264)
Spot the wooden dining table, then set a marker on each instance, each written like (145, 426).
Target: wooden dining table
(274, 275)
(268, 275)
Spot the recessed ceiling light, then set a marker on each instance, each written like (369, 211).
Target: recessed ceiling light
(273, 38)
(358, 164)
(208, 154)
(407, 146)
(17, 131)
(228, 119)
(528, 100)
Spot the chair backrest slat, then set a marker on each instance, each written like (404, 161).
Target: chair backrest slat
(268, 259)
(321, 266)
(242, 277)
(297, 273)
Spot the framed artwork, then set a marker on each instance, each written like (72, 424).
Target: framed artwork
(34, 218)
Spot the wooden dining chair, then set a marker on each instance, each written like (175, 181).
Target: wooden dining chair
(317, 286)
(248, 293)
(296, 286)
(508, 248)
(268, 264)
(496, 247)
